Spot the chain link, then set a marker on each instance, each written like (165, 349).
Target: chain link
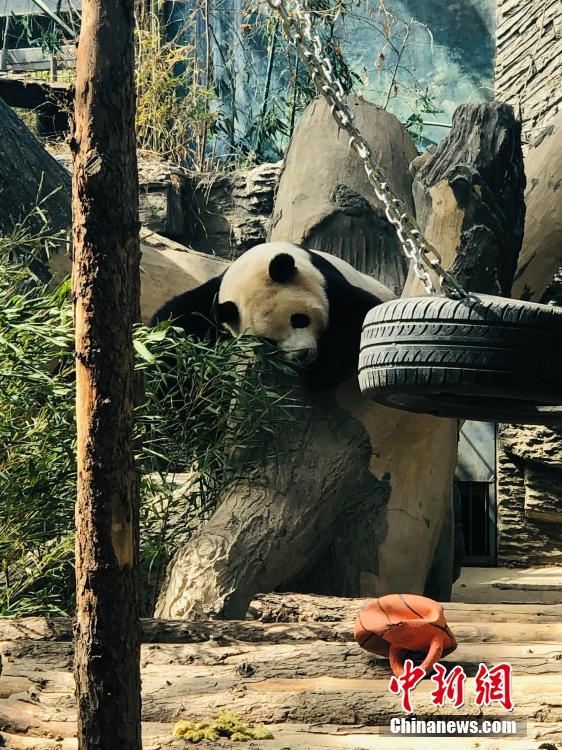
(425, 259)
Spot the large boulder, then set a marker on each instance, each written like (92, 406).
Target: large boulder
(541, 254)
(167, 270)
(324, 200)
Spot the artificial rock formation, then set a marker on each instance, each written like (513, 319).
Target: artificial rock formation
(357, 501)
(530, 458)
(541, 254)
(227, 214)
(29, 174)
(325, 202)
(529, 496)
(527, 65)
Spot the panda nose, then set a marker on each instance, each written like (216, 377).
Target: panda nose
(304, 356)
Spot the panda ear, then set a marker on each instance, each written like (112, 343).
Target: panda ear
(282, 268)
(227, 312)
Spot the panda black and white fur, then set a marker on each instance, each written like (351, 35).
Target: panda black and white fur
(310, 304)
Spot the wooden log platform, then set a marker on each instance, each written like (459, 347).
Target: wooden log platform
(52, 102)
(32, 93)
(294, 667)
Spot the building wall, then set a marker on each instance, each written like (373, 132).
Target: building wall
(529, 495)
(528, 72)
(528, 75)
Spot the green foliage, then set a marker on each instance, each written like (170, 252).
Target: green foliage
(220, 89)
(261, 130)
(219, 100)
(36, 439)
(173, 108)
(200, 427)
(234, 105)
(41, 31)
(425, 105)
(208, 411)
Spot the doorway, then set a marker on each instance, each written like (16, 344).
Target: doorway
(475, 479)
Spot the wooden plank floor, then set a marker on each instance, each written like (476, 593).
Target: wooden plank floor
(295, 668)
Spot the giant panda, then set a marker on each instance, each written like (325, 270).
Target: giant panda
(311, 305)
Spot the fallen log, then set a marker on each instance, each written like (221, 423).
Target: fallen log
(321, 736)
(182, 631)
(167, 269)
(175, 692)
(264, 659)
(222, 632)
(289, 607)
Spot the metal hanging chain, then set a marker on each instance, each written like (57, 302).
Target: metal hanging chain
(425, 258)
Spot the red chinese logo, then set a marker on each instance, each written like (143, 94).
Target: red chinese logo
(450, 687)
(494, 686)
(406, 683)
(491, 685)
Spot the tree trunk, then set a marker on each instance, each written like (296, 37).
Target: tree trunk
(106, 288)
(358, 499)
(28, 174)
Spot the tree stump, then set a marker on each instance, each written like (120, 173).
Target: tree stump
(324, 200)
(358, 503)
(469, 198)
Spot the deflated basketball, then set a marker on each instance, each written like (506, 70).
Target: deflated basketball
(398, 625)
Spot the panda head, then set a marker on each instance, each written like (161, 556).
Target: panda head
(274, 291)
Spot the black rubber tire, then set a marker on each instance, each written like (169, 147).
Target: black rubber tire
(484, 358)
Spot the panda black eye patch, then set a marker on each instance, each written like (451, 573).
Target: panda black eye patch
(300, 320)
